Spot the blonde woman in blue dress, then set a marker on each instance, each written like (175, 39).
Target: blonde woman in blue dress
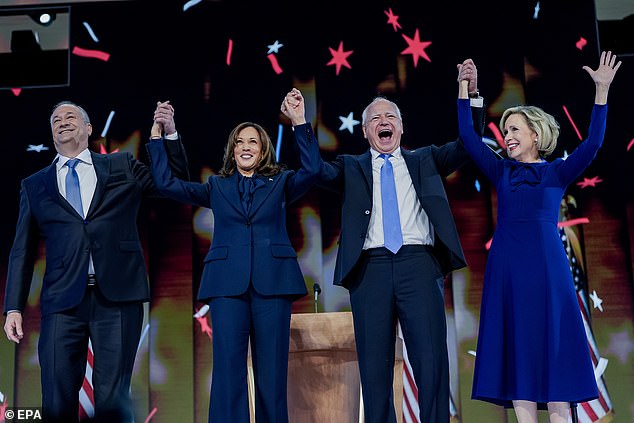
(532, 349)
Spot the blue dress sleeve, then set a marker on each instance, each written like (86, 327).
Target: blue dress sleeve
(583, 155)
(482, 155)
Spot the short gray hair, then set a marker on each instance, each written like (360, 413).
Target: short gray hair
(378, 98)
(83, 112)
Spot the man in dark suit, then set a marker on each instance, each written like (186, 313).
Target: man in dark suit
(84, 206)
(398, 274)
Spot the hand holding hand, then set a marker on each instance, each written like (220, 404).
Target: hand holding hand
(467, 71)
(293, 107)
(13, 326)
(164, 117)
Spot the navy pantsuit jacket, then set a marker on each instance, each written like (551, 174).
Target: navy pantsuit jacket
(247, 247)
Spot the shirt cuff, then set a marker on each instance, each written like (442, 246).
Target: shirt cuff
(173, 136)
(477, 102)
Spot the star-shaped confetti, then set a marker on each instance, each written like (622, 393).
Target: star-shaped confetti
(37, 148)
(589, 182)
(348, 123)
(596, 301)
(416, 48)
(339, 58)
(275, 47)
(392, 19)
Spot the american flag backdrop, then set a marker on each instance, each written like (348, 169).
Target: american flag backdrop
(86, 395)
(411, 411)
(599, 410)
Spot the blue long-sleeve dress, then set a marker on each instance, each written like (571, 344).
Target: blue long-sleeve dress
(531, 342)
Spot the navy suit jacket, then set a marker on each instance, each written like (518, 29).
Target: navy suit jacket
(108, 232)
(351, 176)
(247, 247)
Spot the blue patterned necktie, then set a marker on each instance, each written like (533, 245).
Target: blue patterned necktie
(393, 237)
(73, 192)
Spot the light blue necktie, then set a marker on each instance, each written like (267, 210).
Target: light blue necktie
(393, 237)
(73, 192)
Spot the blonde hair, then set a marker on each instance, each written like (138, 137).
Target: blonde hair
(540, 122)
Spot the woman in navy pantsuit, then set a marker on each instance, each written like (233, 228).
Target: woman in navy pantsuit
(251, 274)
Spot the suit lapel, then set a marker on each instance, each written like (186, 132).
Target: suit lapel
(365, 161)
(228, 188)
(261, 194)
(102, 169)
(50, 181)
(413, 166)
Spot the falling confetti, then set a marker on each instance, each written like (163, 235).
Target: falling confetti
(90, 32)
(229, 51)
(339, 58)
(95, 54)
(190, 3)
(392, 19)
(107, 126)
(16, 91)
(497, 134)
(572, 122)
(275, 47)
(154, 410)
(348, 122)
(630, 144)
(37, 148)
(416, 48)
(581, 43)
(276, 66)
(589, 182)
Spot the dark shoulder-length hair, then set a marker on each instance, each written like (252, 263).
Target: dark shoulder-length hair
(267, 165)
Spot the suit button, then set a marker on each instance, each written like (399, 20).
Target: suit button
(367, 212)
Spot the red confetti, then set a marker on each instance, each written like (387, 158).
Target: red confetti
(630, 144)
(276, 66)
(581, 43)
(229, 50)
(152, 413)
(103, 150)
(589, 182)
(498, 135)
(204, 325)
(392, 19)
(573, 222)
(572, 122)
(95, 54)
(416, 48)
(16, 91)
(339, 58)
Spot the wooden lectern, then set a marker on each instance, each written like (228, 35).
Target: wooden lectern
(323, 373)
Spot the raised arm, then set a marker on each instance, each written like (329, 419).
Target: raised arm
(293, 107)
(587, 150)
(603, 76)
(479, 152)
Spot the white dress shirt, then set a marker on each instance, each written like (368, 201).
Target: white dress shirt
(87, 183)
(415, 225)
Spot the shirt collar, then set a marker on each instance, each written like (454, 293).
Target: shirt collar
(84, 156)
(396, 153)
